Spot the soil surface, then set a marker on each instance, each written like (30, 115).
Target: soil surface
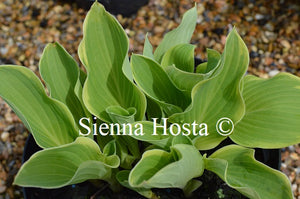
(269, 28)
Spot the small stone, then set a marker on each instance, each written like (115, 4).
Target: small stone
(3, 50)
(254, 48)
(298, 171)
(294, 156)
(259, 16)
(271, 35)
(294, 187)
(285, 44)
(158, 30)
(281, 62)
(272, 73)
(264, 39)
(292, 148)
(249, 18)
(2, 188)
(269, 26)
(4, 136)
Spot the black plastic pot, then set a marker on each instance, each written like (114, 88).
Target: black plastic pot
(123, 7)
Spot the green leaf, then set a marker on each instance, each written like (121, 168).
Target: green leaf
(161, 169)
(122, 178)
(181, 139)
(79, 86)
(120, 115)
(61, 74)
(219, 96)
(183, 80)
(65, 165)
(158, 139)
(213, 58)
(110, 148)
(238, 168)
(182, 56)
(128, 150)
(49, 120)
(272, 112)
(153, 109)
(210, 66)
(103, 52)
(148, 49)
(155, 83)
(127, 69)
(182, 34)
(201, 68)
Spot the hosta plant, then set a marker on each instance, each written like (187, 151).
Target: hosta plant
(141, 124)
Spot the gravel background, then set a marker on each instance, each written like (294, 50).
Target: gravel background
(270, 30)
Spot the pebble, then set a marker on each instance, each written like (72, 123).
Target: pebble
(259, 16)
(4, 136)
(2, 188)
(285, 44)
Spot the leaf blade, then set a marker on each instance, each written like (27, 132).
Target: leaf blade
(65, 165)
(49, 120)
(182, 34)
(272, 112)
(61, 74)
(103, 51)
(238, 168)
(225, 100)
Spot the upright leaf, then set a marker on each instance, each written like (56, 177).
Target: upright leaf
(155, 83)
(49, 120)
(182, 34)
(61, 74)
(103, 51)
(219, 96)
(238, 168)
(148, 49)
(182, 56)
(272, 112)
(213, 58)
(65, 165)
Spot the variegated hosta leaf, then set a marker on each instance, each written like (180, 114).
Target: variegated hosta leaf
(213, 58)
(62, 77)
(183, 80)
(103, 51)
(272, 118)
(161, 169)
(49, 120)
(65, 165)
(182, 56)
(238, 168)
(120, 115)
(182, 34)
(155, 83)
(218, 96)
